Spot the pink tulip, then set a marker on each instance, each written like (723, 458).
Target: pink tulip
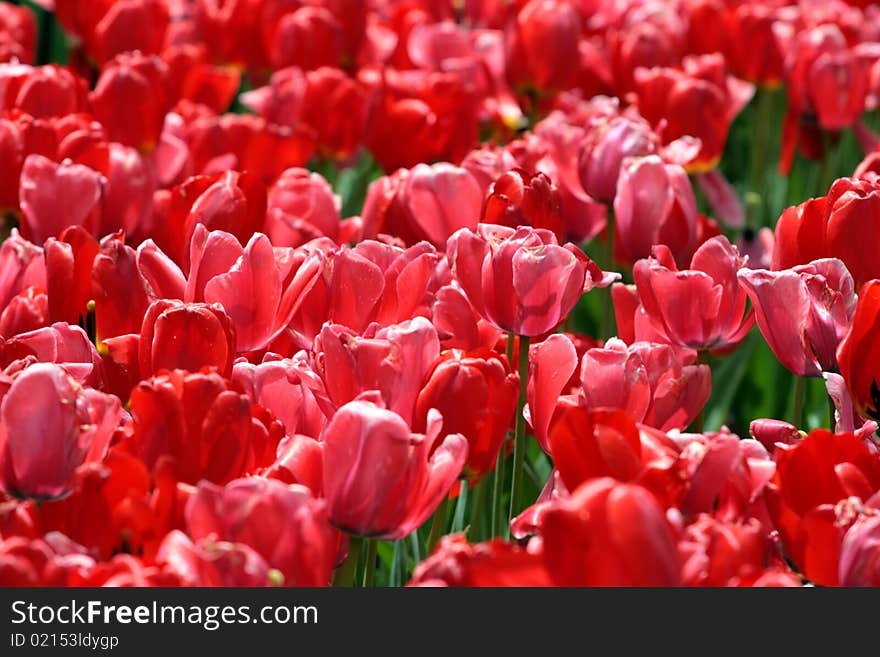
(261, 292)
(21, 266)
(803, 312)
(605, 150)
(372, 282)
(860, 552)
(769, 432)
(656, 384)
(55, 196)
(551, 364)
(60, 343)
(380, 479)
(289, 389)
(49, 425)
(302, 206)
(423, 203)
(394, 360)
(702, 307)
(654, 204)
(521, 280)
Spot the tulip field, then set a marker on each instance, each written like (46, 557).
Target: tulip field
(385, 293)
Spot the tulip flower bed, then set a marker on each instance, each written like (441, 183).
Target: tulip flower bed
(422, 292)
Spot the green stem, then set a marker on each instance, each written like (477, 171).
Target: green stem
(477, 509)
(344, 575)
(762, 124)
(394, 577)
(826, 167)
(370, 562)
(800, 388)
(519, 441)
(831, 410)
(438, 527)
(497, 482)
(460, 506)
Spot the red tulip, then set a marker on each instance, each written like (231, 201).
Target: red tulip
(210, 563)
(309, 37)
(418, 116)
(769, 432)
(654, 204)
(210, 430)
(284, 524)
(137, 82)
(120, 298)
(753, 51)
(518, 199)
(49, 425)
(192, 77)
(27, 311)
(45, 92)
(803, 312)
(812, 477)
(18, 28)
(327, 100)
(858, 352)
(655, 384)
(176, 335)
(232, 202)
(69, 262)
(834, 226)
(608, 145)
(248, 144)
(425, 203)
(380, 479)
(521, 280)
(588, 444)
(610, 534)
(476, 394)
(826, 77)
(544, 44)
(648, 35)
(719, 553)
(493, 563)
(700, 100)
(701, 307)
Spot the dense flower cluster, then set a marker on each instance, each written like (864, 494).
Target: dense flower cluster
(292, 290)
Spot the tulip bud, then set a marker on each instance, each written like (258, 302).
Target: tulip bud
(476, 394)
(176, 335)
